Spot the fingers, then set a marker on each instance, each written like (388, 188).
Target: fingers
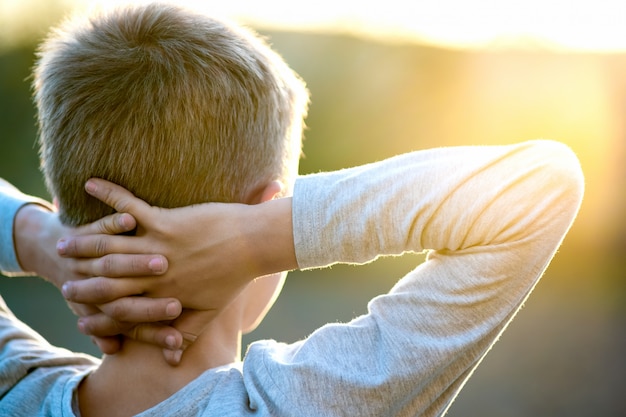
(115, 196)
(108, 345)
(124, 265)
(101, 325)
(123, 315)
(112, 225)
(119, 265)
(158, 334)
(142, 309)
(189, 325)
(166, 337)
(90, 246)
(172, 357)
(101, 290)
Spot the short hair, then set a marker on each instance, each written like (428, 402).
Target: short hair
(178, 107)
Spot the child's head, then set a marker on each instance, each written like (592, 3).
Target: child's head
(176, 106)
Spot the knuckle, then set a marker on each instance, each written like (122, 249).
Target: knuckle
(148, 315)
(101, 289)
(137, 265)
(119, 311)
(106, 195)
(122, 205)
(107, 225)
(140, 332)
(101, 246)
(106, 265)
(120, 326)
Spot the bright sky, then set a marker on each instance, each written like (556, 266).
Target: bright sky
(583, 25)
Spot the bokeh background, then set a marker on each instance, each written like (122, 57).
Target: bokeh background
(429, 78)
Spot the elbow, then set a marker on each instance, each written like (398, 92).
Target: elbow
(540, 198)
(563, 173)
(560, 183)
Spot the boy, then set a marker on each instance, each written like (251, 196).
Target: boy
(491, 218)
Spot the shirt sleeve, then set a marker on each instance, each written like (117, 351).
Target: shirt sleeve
(491, 219)
(11, 200)
(30, 367)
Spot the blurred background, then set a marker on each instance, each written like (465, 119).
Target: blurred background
(395, 77)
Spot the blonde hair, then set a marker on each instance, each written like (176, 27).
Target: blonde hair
(176, 106)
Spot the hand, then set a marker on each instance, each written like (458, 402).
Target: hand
(213, 250)
(36, 233)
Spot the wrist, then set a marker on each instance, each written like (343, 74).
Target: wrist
(272, 244)
(28, 229)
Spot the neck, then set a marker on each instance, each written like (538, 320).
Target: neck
(138, 377)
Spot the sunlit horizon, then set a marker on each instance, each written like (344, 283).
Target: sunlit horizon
(559, 25)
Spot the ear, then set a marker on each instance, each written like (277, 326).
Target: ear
(271, 191)
(265, 193)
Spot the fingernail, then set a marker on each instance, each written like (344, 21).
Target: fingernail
(170, 341)
(90, 187)
(121, 221)
(156, 264)
(172, 310)
(81, 327)
(61, 247)
(177, 355)
(65, 290)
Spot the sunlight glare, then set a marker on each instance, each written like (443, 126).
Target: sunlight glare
(579, 25)
(569, 25)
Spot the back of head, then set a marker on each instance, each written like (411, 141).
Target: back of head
(178, 107)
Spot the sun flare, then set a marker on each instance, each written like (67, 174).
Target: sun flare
(570, 25)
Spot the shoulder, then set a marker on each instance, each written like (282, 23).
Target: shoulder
(218, 391)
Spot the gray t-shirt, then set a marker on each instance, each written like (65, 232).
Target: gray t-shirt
(491, 218)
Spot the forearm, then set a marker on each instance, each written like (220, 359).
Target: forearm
(13, 201)
(446, 199)
(30, 232)
(269, 240)
(492, 218)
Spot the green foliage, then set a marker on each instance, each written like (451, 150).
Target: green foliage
(18, 149)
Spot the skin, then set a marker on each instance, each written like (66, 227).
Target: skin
(245, 259)
(235, 251)
(100, 273)
(36, 229)
(181, 235)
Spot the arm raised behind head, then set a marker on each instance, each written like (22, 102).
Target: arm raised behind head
(213, 250)
(29, 238)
